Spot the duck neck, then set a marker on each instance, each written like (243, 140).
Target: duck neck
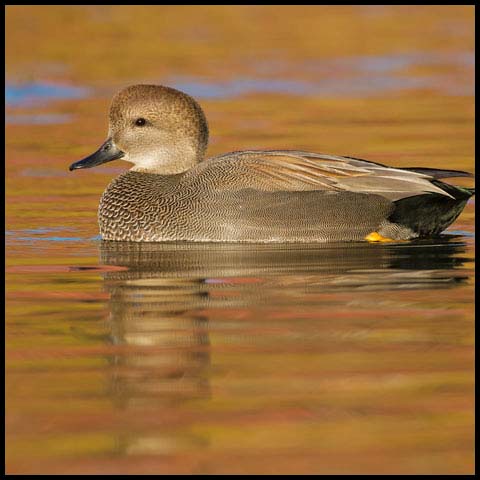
(167, 160)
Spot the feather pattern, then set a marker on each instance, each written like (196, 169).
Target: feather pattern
(292, 170)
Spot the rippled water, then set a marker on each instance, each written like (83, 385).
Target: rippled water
(224, 358)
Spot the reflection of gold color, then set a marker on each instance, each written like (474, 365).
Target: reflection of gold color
(185, 306)
(426, 426)
(174, 342)
(170, 356)
(213, 32)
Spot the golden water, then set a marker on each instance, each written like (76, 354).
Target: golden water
(181, 358)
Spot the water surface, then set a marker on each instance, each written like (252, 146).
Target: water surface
(220, 358)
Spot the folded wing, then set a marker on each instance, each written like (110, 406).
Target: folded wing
(285, 170)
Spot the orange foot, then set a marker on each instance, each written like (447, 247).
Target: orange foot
(376, 237)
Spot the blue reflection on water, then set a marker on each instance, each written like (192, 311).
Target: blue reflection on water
(355, 75)
(39, 119)
(53, 239)
(240, 86)
(33, 235)
(361, 85)
(38, 92)
(343, 76)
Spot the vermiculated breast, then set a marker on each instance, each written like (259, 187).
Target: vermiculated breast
(147, 207)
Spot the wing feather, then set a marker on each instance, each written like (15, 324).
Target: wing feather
(291, 170)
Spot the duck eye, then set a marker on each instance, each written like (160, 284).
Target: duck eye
(140, 122)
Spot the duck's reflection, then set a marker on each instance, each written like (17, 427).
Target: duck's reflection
(169, 339)
(179, 274)
(162, 296)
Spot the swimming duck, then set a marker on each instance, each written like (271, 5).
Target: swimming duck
(173, 193)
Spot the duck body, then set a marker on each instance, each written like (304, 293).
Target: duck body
(237, 198)
(255, 196)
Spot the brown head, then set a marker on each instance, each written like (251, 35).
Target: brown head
(158, 129)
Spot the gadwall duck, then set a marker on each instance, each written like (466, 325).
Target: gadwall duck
(173, 193)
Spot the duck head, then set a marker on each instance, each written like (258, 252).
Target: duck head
(158, 129)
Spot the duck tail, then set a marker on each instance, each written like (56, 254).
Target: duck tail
(456, 192)
(439, 173)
